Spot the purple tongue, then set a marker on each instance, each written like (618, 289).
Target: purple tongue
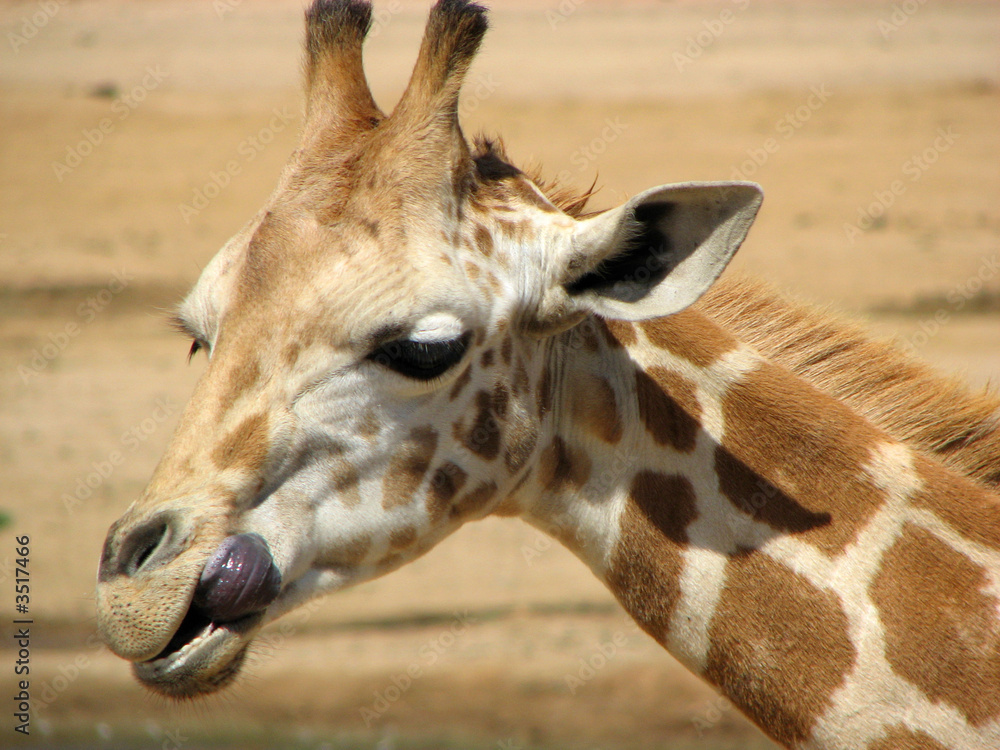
(239, 579)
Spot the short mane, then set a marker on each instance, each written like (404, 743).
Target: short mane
(492, 161)
(914, 404)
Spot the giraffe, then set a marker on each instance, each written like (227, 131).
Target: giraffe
(413, 333)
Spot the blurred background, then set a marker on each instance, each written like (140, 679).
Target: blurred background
(135, 137)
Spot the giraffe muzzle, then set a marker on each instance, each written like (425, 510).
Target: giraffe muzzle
(234, 589)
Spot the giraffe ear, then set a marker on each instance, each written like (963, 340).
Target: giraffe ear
(651, 257)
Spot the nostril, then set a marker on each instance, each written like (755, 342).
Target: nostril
(145, 545)
(141, 555)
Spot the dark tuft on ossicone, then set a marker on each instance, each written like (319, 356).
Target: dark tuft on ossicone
(457, 27)
(330, 23)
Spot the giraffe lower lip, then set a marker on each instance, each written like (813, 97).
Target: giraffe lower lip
(178, 649)
(196, 626)
(205, 663)
(192, 627)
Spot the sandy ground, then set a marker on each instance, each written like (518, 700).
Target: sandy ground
(831, 106)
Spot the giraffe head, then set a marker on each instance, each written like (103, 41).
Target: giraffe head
(380, 355)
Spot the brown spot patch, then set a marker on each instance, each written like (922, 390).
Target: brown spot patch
(483, 437)
(446, 482)
(561, 465)
(484, 240)
(474, 501)
(966, 507)
(494, 283)
(781, 664)
(351, 553)
(760, 499)
(507, 349)
(487, 358)
(318, 330)
(344, 481)
(246, 446)
(408, 467)
(509, 506)
(501, 399)
(647, 561)
(668, 407)
(392, 561)
(403, 538)
(690, 335)
(596, 408)
(513, 230)
(370, 425)
(521, 440)
(901, 738)
(587, 334)
(290, 353)
(371, 226)
(460, 382)
(241, 378)
(782, 433)
(942, 632)
(520, 381)
(667, 501)
(619, 333)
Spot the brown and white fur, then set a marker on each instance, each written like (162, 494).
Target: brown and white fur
(803, 517)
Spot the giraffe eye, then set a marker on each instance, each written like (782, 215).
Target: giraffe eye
(421, 360)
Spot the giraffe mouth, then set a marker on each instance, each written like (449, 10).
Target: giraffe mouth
(207, 650)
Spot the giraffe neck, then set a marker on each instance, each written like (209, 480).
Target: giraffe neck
(777, 543)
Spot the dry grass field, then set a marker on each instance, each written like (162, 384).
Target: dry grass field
(137, 136)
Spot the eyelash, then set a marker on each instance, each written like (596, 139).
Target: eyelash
(181, 326)
(421, 360)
